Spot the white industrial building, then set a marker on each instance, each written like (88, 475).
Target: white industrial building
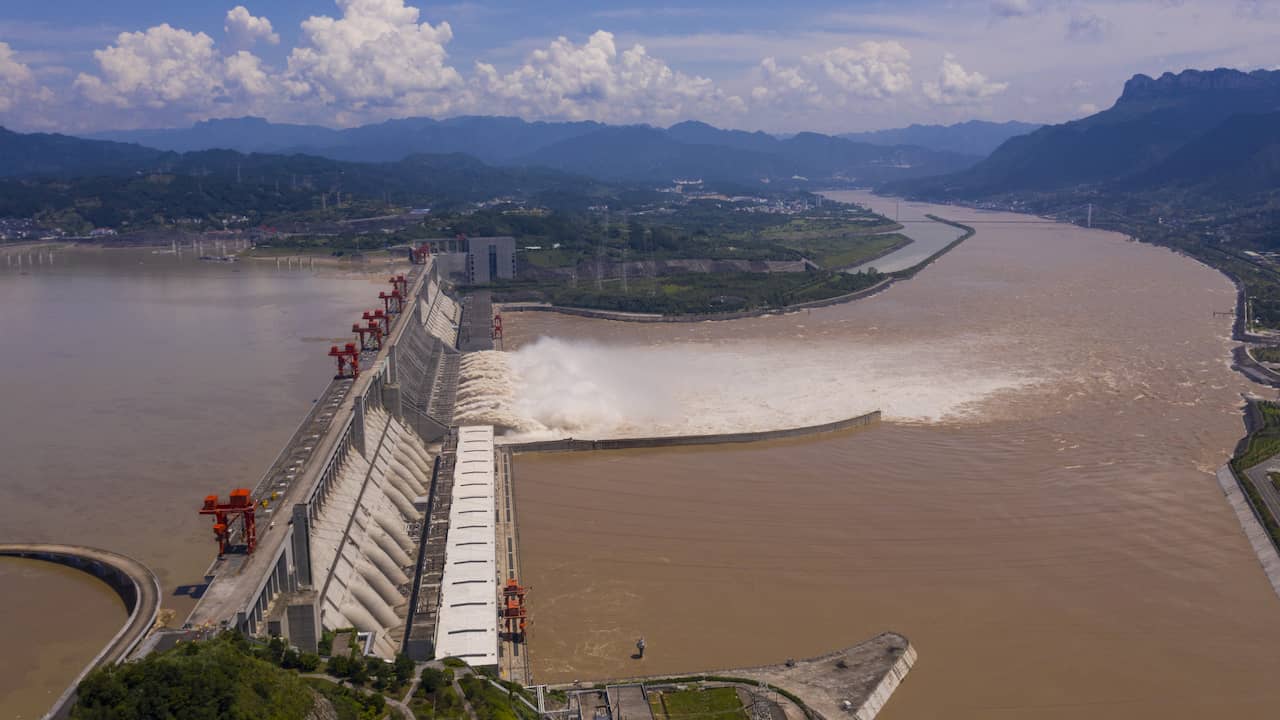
(467, 627)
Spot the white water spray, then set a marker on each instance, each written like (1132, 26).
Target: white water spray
(558, 388)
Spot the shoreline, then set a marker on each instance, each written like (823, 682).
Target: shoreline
(888, 282)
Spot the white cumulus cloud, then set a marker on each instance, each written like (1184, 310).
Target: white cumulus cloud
(244, 30)
(166, 68)
(870, 69)
(18, 85)
(867, 71)
(957, 86)
(595, 81)
(377, 55)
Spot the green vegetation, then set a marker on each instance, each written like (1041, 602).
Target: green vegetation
(1266, 354)
(1274, 477)
(1261, 444)
(211, 680)
(490, 703)
(435, 698)
(720, 703)
(1264, 442)
(453, 662)
(348, 703)
(835, 241)
(696, 293)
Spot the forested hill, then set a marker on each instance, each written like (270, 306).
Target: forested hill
(46, 155)
(109, 184)
(975, 137)
(1151, 122)
(609, 152)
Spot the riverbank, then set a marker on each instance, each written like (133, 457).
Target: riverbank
(885, 284)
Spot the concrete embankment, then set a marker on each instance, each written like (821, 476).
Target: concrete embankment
(864, 676)
(576, 445)
(133, 581)
(1253, 528)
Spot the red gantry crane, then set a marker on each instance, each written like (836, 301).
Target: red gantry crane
(238, 505)
(497, 331)
(379, 318)
(392, 301)
(370, 335)
(420, 254)
(514, 612)
(348, 361)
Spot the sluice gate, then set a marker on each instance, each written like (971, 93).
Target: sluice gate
(341, 513)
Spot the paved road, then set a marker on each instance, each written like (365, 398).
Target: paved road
(1266, 488)
(144, 605)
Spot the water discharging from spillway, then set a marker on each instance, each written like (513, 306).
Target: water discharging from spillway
(553, 387)
(1046, 529)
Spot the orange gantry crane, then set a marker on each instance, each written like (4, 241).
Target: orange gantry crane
(497, 331)
(393, 302)
(348, 361)
(514, 612)
(380, 318)
(238, 505)
(370, 335)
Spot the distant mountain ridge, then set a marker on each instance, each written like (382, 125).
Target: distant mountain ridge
(608, 152)
(1141, 142)
(975, 137)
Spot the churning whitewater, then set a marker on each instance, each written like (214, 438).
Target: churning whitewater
(559, 388)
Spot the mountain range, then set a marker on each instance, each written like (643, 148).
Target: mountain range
(617, 153)
(1210, 130)
(975, 137)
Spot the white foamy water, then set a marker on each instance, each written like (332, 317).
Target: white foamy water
(559, 388)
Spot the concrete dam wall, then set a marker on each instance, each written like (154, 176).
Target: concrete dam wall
(348, 494)
(575, 445)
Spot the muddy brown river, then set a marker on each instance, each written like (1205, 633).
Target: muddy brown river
(1037, 513)
(135, 384)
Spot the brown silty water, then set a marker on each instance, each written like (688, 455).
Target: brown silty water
(1037, 512)
(135, 384)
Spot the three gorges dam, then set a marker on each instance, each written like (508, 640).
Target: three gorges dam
(390, 513)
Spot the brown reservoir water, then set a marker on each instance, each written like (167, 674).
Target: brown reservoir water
(135, 384)
(1054, 544)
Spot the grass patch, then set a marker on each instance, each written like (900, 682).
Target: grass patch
(350, 704)
(711, 704)
(697, 293)
(835, 242)
(1264, 442)
(1266, 354)
(490, 703)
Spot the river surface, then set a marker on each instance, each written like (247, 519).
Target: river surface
(135, 384)
(927, 236)
(1054, 545)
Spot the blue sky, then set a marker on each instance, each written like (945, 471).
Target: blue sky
(77, 66)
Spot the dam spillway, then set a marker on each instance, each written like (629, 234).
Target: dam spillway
(341, 511)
